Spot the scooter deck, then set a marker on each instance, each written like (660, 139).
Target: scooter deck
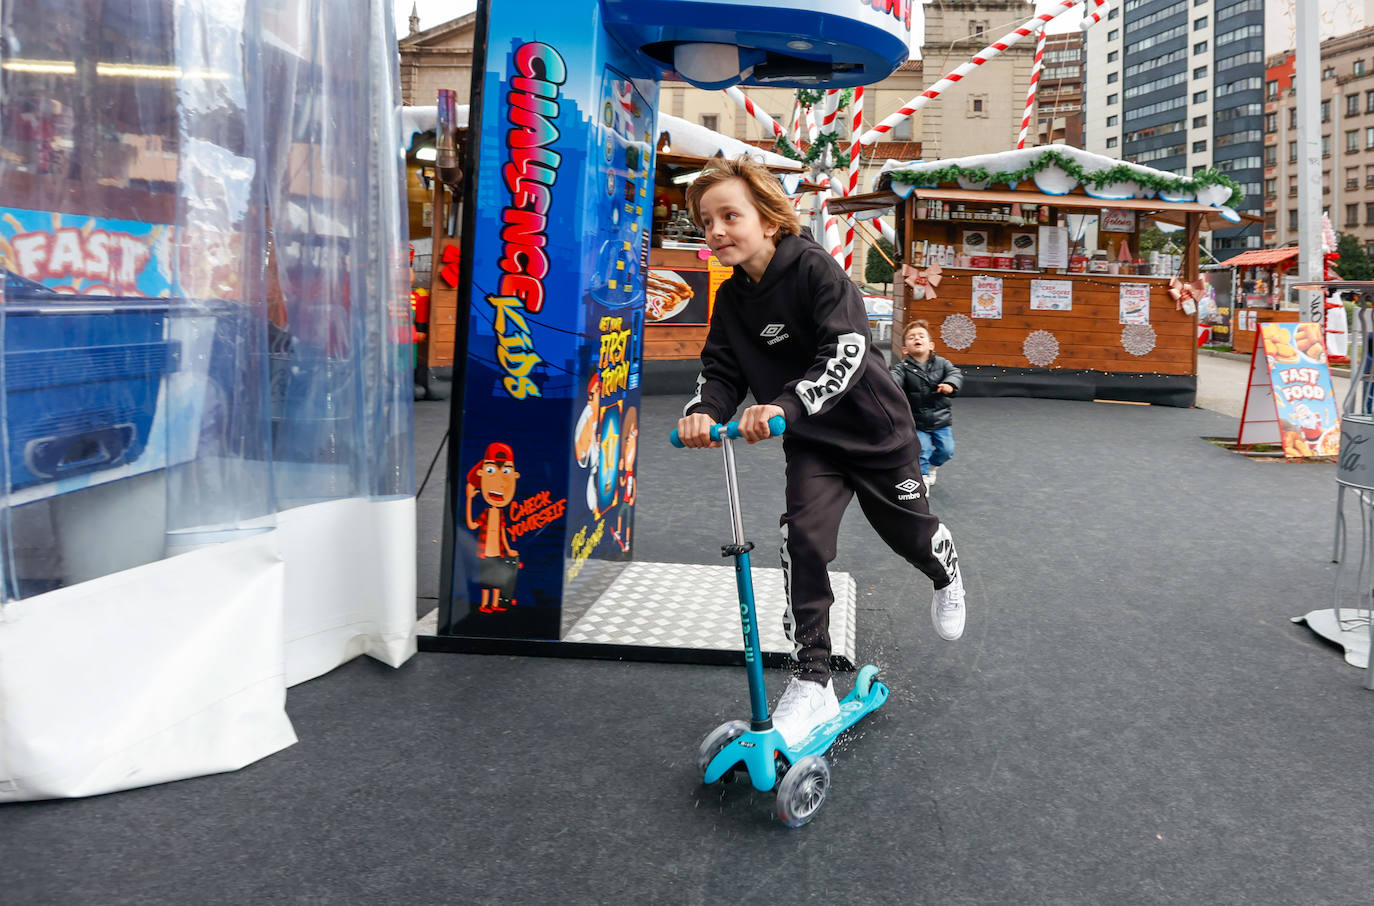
(754, 750)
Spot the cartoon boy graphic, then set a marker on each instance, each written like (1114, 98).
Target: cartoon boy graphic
(494, 478)
(587, 437)
(629, 448)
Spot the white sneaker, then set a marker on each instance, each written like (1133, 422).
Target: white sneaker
(804, 706)
(947, 606)
(930, 476)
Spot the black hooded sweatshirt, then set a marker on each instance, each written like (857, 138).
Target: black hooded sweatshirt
(799, 339)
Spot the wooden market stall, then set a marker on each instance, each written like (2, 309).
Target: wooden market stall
(1019, 292)
(1263, 279)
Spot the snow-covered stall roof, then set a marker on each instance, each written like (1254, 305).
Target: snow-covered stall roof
(690, 138)
(416, 120)
(1058, 169)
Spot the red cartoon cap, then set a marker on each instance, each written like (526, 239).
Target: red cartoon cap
(499, 452)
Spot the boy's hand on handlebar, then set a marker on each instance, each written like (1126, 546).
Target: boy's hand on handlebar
(695, 430)
(753, 423)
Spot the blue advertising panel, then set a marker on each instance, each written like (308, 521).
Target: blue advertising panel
(100, 256)
(542, 481)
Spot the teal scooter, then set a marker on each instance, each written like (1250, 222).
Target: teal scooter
(800, 773)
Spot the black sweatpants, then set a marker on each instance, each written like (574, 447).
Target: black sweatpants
(818, 491)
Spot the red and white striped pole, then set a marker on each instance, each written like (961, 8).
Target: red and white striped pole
(987, 53)
(759, 116)
(1030, 92)
(856, 121)
(1094, 16)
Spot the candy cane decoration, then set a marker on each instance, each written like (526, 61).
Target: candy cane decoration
(856, 119)
(1030, 92)
(759, 116)
(888, 233)
(1093, 17)
(795, 131)
(987, 53)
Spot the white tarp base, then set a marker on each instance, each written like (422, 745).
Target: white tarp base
(168, 670)
(350, 586)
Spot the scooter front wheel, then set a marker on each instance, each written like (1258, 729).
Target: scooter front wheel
(864, 684)
(802, 790)
(717, 740)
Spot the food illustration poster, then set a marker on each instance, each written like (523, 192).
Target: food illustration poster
(678, 296)
(987, 296)
(92, 256)
(1309, 417)
(1133, 302)
(1051, 295)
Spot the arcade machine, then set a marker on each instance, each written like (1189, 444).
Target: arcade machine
(556, 232)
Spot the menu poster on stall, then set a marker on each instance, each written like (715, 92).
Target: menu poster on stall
(89, 256)
(1134, 303)
(975, 242)
(1054, 246)
(1051, 295)
(987, 296)
(1292, 372)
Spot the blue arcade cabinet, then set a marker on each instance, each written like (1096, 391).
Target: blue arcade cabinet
(557, 207)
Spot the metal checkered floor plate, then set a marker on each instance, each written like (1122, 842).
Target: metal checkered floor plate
(680, 605)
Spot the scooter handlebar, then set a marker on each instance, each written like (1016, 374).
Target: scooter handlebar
(776, 425)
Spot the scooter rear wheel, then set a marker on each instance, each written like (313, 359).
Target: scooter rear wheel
(717, 740)
(802, 790)
(864, 683)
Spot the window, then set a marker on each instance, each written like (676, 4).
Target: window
(977, 28)
(978, 105)
(1199, 121)
(1113, 12)
(1200, 145)
(1199, 24)
(710, 121)
(1326, 146)
(1292, 117)
(1113, 34)
(1292, 219)
(1111, 77)
(1352, 215)
(1111, 99)
(1201, 47)
(1369, 102)
(1292, 151)
(1199, 97)
(1199, 72)
(1326, 111)
(1271, 122)
(1369, 213)
(1352, 140)
(1352, 105)
(1112, 55)
(1271, 186)
(1271, 155)
(1111, 141)
(1359, 67)
(1271, 88)
(1369, 175)
(902, 131)
(1328, 73)
(1292, 185)
(1112, 120)
(1369, 137)
(1352, 177)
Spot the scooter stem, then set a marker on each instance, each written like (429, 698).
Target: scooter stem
(744, 581)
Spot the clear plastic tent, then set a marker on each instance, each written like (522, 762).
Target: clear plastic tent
(207, 386)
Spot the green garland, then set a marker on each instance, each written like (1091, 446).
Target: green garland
(825, 140)
(1097, 179)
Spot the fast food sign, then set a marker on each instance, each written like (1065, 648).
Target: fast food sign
(82, 255)
(1289, 367)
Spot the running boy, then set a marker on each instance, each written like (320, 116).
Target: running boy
(790, 327)
(929, 382)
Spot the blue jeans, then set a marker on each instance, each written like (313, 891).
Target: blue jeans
(937, 447)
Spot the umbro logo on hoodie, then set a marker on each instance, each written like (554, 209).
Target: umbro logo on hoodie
(773, 333)
(911, 489)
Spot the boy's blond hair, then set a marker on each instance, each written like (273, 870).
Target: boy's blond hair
(912, 325)
(764, 189)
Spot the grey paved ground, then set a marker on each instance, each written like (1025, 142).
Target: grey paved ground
(1130, 719)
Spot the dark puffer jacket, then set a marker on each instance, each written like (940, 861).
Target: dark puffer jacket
(918, 381)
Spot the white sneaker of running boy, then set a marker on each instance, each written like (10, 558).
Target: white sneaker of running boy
(804, 706)
(930, 476)
(947, 606)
